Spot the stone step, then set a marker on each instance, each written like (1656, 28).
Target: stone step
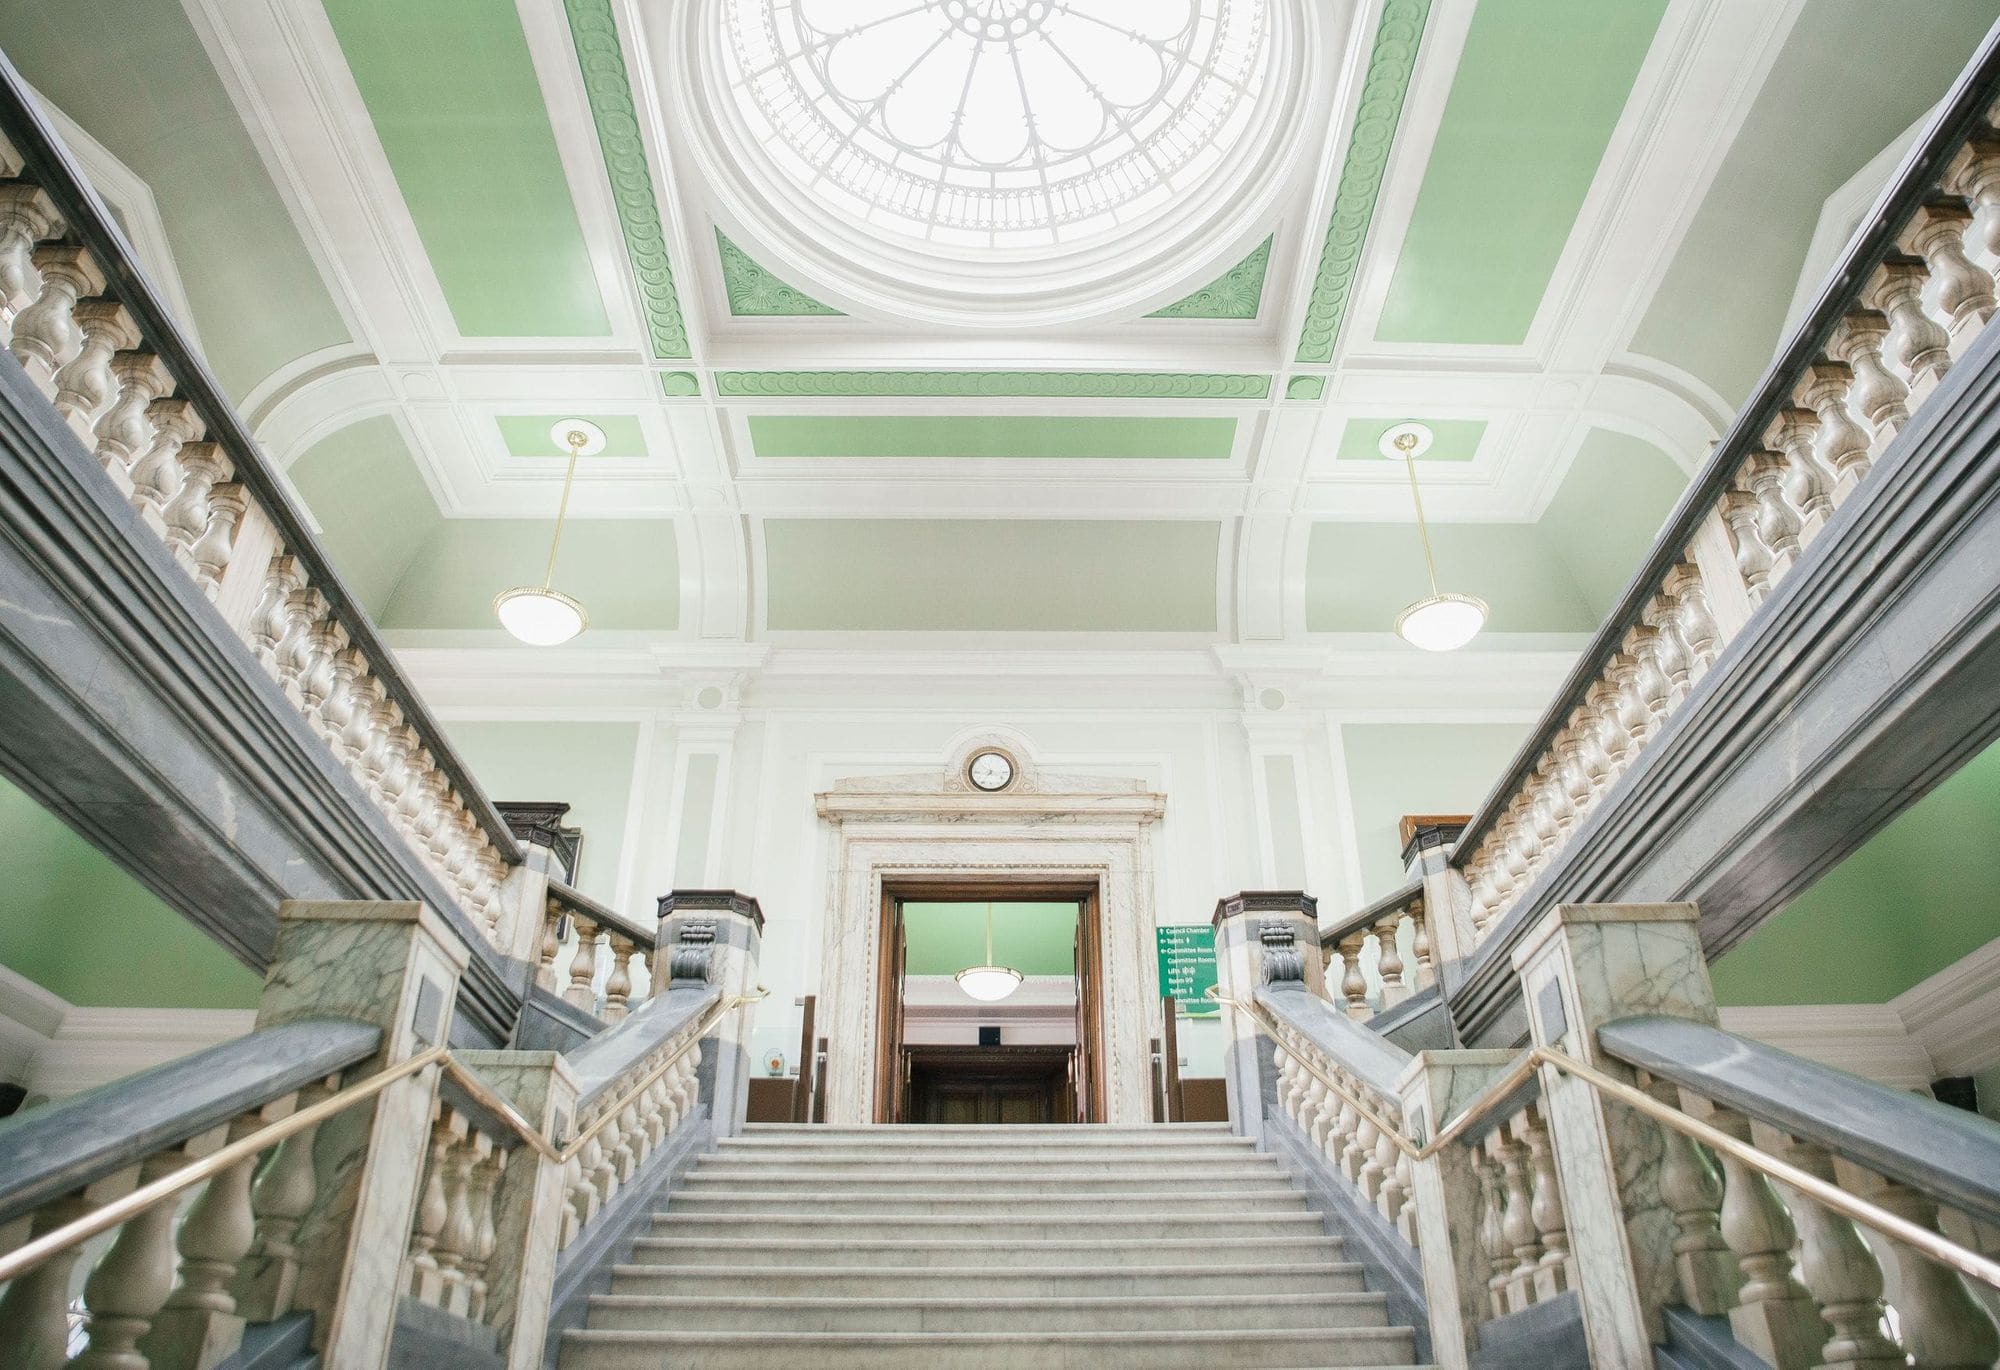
(835, 1251)
(1015, 1159)
(1083, 1184)
(1316, 1278)
(1030, 1350)
(1130, 1313)
(891, 1135)
(973, 1199)
(993, 1230)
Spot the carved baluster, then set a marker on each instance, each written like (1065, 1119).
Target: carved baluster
(1392, 1192)
(1777, 521)
(1572, 773)
(630, 1151)
(1367, 1174)
(1964, 294)
(1753, 557)
(1808, 487)
(1918, 349)
(215, 1236)
(126, 430)
(1840, 1271)
(1353, 984)
(27, 217)
(1420, 946)
(410, 804)
(455, 1241)
(605, 1176)
(1691, 1189)
(86, 385)
(34, 1310)
(1841, 448)
(323, 643)
(1555, 1271)
(132, 1281)
(46, 334)
(552, 930)
(425, 1278)
(1390, 966)
(281, 1197)
(1492, 1233)
(1635, 714)
(156, 476)
(186, 515)
(1324, 1114)
(209, 557)
(1941, 1323)
(1878, 397)
(1975, 174)
(1694, 620)
(272, 620)
(1340, 1136)
(1774, 1315)
(582, 991)
(485, 1183)
(1517, 1220)
(1587, 724)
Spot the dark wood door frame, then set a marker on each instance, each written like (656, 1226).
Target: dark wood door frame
(890, 1103)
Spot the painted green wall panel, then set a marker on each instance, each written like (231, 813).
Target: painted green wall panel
(79, 926)
(1916, 897)
(1395, 769)
(1451, 439)
(1618, 492)
(1359, 576)
(374, 510)
(624, 571)
(527, 435)
(1035, 939)
(134, 74)
(585, 765)
(958, 435)
(1720, 305)
(995, 574)
(1539, 89)
(460, 116)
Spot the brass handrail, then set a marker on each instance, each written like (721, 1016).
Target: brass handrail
(1921, 1239)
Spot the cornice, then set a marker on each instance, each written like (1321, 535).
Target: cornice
(1170, 385)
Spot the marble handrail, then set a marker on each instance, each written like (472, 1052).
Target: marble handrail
(1948, 1153)
(1393, 976)
(609, 1057)
(572, 901)
(1369, 1057)
(61, 1147)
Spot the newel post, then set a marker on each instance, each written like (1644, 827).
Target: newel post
(1240, 921)
(730, 927)
(1447, 898)
(1585, 965)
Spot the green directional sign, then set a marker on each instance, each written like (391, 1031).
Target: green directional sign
(1187, 966)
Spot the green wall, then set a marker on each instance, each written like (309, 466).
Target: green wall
(1916, 897)
(77, 925)
(1033, 938)
(1395, 769)
(585, 765)
(624, 571)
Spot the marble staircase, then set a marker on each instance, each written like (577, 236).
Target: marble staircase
(954, 1247)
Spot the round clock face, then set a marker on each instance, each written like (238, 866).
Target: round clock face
(991, 771)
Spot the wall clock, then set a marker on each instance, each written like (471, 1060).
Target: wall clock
(991, 771)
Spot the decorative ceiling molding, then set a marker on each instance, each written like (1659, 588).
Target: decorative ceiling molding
(1236, 294)
(609, 88)
(1397, 37)
(757, 294)
(1159, 385)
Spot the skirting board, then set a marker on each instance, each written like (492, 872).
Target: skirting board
(53, 1048)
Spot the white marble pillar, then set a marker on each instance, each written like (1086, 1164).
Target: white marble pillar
(733, 925)
(1582, 966)
(1445, 1192)
(396, 965)
(1240, 921)
(1447, 897)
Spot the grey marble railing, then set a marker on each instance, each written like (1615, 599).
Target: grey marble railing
(59, 1148)
(605, 1060)
(1948, 1153)
(1367, 1056)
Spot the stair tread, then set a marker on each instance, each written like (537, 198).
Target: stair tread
(780, 1218)
(741, 1274)
(1033, 1337)
(779, 1304)
(928, 1243)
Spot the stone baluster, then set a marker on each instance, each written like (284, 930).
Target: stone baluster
(1918, 351)
(1774, 1316)
(1554, 1272)
(1517, 1219)
(1340, 1136)
(1493, 1234)
(1975, 174)
(273, 621)
(156, 476)
(604, 1176)
(1367, 1173)
(485, 1237)
(1588, 725)
(1754, 558)
(199, 1321)
(1964, 292)
(1842, 450)
(1572, 773)
(86, 385)
(321, 647)
(280, 1199)
(1778, 523)
(1878, 398)
(425, 1277)
(132, 1280)
(1691, 1188)
(552, 929)
(209, 556)
(363, 695)
(1694, 620)
(1392, 1190)
(27, 218)
(1807, 487)
(125, 431)
(1841, 1273)
(1353, 984)
(1634, 716)
(46, 334)
(34, 1310)
(187, 514)
(1941, 1323)
(1325, 1114)
(1420, 946)
(1390, 965)
(582, 991)
(457, 1242)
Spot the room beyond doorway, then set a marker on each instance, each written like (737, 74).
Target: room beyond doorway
(1032, 1056)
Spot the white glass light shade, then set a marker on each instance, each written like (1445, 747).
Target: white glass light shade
(988, 984)
(538, 616)
(1442, 623)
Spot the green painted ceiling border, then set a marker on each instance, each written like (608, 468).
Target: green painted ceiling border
(1305, 387)
(1237, 293)
(1452, 439)
(755, 293)
(609, 90)
(1157, 385)
(1071, 437)
(679, 384)
(1398, 34)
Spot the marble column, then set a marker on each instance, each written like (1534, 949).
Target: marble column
(528, 1206)
(1582, 966)
(1445, 1192)
(733, 926)
(546, 850)
(1447, 898)
(1240, 921)
(396, 965)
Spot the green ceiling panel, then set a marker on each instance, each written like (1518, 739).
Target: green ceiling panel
(1155, 385)
(527, 435)
(1398, 32)
(1012, 435)
(679, 384)
(624, 571)
(1539, 89)
(1305, 387)
(755, 293)
(1451, 439)
(1236, 294)
(1359, 576)
(1025, 575)
(609, 90)
(374, 511)
(454, 99)
(1617, 493)
(1395, 769)
(1035, 939)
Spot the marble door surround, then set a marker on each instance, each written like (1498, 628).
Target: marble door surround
(935, 827)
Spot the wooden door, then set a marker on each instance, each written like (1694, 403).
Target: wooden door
(1089, 1062)
(892, 1074)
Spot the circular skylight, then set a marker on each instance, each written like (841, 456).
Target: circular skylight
(997, 123)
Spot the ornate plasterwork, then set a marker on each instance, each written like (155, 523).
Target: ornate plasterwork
(1235, 294)
(610, 91)
(1162, 385)
(755, 293)
(1397, 37)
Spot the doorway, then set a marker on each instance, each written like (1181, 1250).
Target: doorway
(1032, 1055)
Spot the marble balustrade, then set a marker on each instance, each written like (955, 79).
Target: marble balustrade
(579, 940)
(1398, 932)
(1356, 1146)
(160, 444)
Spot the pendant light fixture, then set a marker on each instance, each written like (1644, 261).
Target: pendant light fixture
(988, 983)
(1442, 621)
(543, 616)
